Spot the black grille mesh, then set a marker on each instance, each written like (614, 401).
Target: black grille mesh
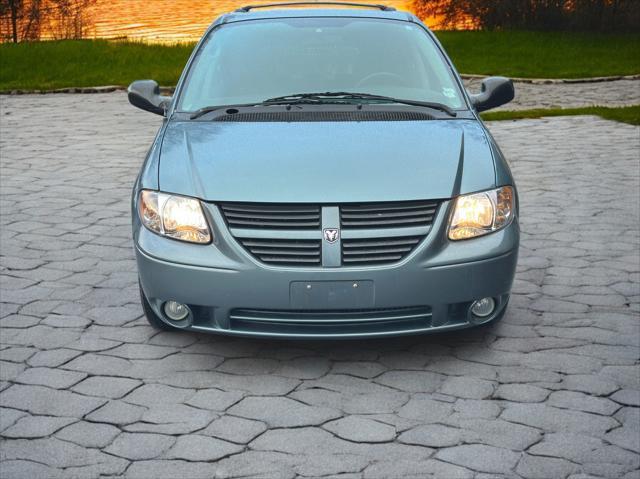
(387, 215)
(372, 251)
(284, 252)
(272, 216)
(328, 116)
(320, 322)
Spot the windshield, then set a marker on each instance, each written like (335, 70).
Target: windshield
(249, 62)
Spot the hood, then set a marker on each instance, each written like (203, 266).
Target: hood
(325, 162)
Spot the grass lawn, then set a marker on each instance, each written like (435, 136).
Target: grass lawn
(543, 54)
(82, 63)
(629, 114)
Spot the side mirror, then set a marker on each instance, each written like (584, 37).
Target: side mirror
(495, 91)
(145, 94)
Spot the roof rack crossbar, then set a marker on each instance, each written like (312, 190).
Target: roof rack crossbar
(384, 8)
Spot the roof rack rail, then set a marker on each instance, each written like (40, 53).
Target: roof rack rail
(384, 8)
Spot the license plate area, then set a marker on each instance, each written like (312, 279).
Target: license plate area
(354, 294)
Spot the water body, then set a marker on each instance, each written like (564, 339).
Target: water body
(169, 20)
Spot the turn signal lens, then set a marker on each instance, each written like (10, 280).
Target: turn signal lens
(480, 213)
(149, 210)
(177, 217)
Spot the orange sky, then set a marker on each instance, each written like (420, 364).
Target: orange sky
(169, 20)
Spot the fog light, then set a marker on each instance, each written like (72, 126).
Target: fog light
(483, 307)
(176, 311)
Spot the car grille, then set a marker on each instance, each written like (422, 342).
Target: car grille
(291, 234)
(387, 215)
(377, 250)
(309, 322)
(284, 252)
(271, 216)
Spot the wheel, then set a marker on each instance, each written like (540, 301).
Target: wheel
(151, 316)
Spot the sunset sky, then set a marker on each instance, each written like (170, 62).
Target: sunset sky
(169, 20)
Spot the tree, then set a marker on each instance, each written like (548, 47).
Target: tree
(22, 20)
(69, 18)
(13, 7)
(588, 15)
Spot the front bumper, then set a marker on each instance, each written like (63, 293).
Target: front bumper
(229, 292)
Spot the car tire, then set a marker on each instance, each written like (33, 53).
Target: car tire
(151, 316)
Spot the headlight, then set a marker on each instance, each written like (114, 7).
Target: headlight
(481, 213)
(177, 217)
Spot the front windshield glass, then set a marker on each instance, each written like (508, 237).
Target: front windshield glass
(249, 62)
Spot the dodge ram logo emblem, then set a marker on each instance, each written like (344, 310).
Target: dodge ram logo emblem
(331, 235)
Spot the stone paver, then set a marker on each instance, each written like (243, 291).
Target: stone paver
(282, 412)
(37, 426)
(139, 446)
(622, 92)
(89, 434)
(432, 435)
(87, 389)
(359, 429)
(202, 448)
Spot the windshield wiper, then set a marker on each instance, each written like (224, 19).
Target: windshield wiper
(344, 95)
(274, 101)
(327, 97)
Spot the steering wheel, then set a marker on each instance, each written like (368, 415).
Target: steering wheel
(386, 77)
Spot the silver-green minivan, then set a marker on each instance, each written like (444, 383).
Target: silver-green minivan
(322, 173)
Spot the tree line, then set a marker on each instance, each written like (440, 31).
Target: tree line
(586, 15)
(24, 20)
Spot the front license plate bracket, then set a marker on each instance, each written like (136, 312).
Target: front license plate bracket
(356, 294)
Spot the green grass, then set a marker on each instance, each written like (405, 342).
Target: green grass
(629, 114)
(543, 54)
(82, 63)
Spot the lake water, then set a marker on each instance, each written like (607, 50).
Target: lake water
(169, 20)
